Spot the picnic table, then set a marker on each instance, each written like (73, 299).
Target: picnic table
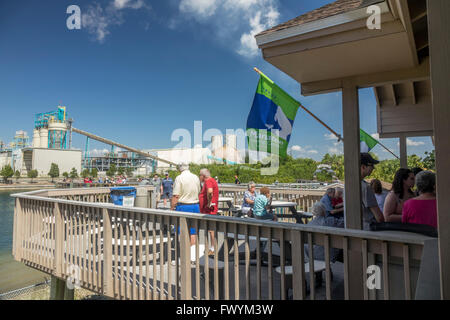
(228, 201)
(292, 206)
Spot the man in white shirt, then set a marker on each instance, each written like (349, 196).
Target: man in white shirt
(185, 195)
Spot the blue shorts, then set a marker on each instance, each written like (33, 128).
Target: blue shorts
(195, 208)
(166, 195)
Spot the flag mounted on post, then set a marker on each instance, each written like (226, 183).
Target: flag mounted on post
(271, 118)
(367, 142)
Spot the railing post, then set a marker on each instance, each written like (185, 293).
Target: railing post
(185, 257)
(108, 289)
(17, 239)
(59, 241)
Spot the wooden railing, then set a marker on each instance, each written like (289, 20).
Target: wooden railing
(305, 199)
(140, 253)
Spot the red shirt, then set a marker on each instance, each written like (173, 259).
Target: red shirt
(420, 212)
(203, 197)
(336, 201)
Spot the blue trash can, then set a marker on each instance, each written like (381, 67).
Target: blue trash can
(123, 196)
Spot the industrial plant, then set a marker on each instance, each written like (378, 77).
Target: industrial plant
(52, 143)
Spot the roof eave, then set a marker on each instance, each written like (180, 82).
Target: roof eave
(329, 22)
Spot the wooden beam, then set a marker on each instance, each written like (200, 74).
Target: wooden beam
(353, 214)
(406, 19)
(391, 135)
(403, 151)
(439, 38)
(392, 92)
(421, 40)
(419, 73)
(413, 92)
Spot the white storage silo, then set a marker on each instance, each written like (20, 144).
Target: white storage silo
(57, 135)
(217, 145)
(43, 132)
(231, 141)
(36, 138)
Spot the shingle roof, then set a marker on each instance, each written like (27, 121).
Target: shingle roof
(337, 7)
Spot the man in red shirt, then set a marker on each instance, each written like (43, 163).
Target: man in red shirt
(209, 199)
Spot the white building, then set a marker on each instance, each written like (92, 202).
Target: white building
(196, 155)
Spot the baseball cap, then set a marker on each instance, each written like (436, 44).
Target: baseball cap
(367, 159)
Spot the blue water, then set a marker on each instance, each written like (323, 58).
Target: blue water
(13, 274)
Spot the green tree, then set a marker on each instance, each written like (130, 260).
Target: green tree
(32, 174)
(415, 161)
(94, 173)
(73, 173)
(121, 171)
(111, 171)
(54, 171)
(6, 172)
(129, 172)
(429, 162)
(17, 175)
(65, 175)
(85, 173)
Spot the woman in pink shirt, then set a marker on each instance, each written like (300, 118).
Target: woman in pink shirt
(422, 209)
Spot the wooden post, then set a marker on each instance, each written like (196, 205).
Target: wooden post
(350, 117)
(107, 255)
(57, 288)
(17, 239)
(59, 241)
(439, 40)
(185, 257)
(403, 152)
(353, 216)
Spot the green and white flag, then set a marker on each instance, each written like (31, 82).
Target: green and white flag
(367, 142)
(271, 118)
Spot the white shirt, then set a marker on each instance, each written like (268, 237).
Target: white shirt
(187, 187)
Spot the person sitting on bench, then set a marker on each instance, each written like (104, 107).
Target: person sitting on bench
(261, 208)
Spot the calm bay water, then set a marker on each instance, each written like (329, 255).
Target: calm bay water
(13, 274)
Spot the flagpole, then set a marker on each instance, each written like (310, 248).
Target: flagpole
(321, 122)
(309, 112)
(388, 149)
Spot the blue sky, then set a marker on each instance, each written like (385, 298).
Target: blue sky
(140, 69)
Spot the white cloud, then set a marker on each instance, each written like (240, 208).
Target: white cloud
(313, 151)
(98, 20)
(337, 148)
(229, 18)
(98, 152)
(121, 4)
(376, 136)
(330, 136)
(297, 148)
(201, 8)
(412, 143)
(258, 24)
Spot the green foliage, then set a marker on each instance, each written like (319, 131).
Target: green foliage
(129, 172)
(337, 164)
(54, 171)
(429, 162)
(85, 173)
(94, 173)
(111, 171)
(73, 173)
(120, 171)
(6, 172)
(65, 175)
(290, 171)
(17, 174)
(32, 174)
